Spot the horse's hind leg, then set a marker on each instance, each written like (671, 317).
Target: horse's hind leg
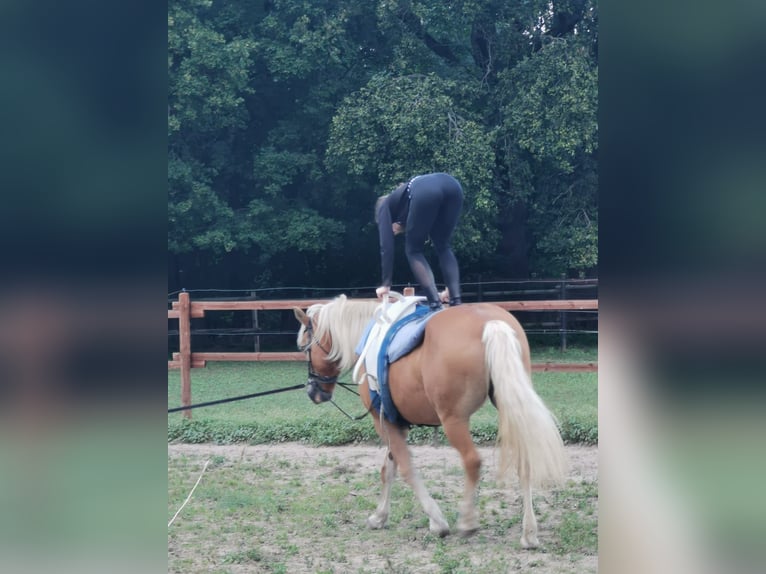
(459, 436)
(397, 444)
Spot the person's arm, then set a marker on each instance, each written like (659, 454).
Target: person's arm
(386, 235)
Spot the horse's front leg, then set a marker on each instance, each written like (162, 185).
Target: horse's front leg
(387, 476)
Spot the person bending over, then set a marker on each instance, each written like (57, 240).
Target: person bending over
(426, 206)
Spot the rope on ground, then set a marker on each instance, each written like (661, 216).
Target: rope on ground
(188, 498)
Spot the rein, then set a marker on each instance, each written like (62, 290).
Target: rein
(347, 386)
(356, 418)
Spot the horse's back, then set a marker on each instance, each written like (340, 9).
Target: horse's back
(454, 335)
(465, 323)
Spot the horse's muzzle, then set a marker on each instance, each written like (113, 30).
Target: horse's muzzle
(316, 394)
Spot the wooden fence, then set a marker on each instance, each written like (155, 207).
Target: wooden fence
(185, 310)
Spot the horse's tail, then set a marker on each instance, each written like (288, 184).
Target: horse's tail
(528, 437)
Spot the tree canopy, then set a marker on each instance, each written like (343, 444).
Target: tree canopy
(287, 118)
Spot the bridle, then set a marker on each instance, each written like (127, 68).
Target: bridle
(314, 378)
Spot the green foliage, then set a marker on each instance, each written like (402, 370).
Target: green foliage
(578, 430)
(298, 37)
(450, 563)
(398, 126)
(552, 109)
(573, 246)
(200, 208)
(244, 557)
(391, 128)
(551, 119)
(209, 73)
(301, 229)
(286, 119)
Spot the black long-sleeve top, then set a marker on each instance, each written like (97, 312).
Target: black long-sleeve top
(394, 209)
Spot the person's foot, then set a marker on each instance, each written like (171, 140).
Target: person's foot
(435, 306)
(455, 301)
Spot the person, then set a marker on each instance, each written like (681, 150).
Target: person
(426, 206)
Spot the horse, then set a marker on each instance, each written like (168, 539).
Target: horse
(469, 353)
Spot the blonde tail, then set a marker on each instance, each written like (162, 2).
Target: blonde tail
(527, 435)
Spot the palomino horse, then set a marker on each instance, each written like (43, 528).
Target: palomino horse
(469, 352)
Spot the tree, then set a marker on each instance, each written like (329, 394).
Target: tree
(228, 192)
(209, 78)
(287, 118)
(551, 118)
(397, 127)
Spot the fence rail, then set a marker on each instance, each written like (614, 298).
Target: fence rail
(184, 310)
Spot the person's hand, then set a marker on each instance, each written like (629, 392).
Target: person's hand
(444, 295)
(380, 291)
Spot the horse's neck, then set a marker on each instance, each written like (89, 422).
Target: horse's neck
(346, 328)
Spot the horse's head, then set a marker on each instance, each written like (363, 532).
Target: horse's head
(323, 373)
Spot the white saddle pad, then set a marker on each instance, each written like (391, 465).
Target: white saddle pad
(385, 315)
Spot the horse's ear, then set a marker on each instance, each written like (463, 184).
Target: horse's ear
(301, 316)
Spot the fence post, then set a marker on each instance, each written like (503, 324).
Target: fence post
(257, 345)
(184, 350)
(563, 296)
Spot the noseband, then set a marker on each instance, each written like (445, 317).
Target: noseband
(315, 378)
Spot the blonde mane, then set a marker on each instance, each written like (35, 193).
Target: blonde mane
(345, 321)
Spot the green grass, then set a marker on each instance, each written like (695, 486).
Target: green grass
(290, 416)
(577, 532)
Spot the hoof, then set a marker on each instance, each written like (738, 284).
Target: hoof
(375, 523)
(529, 542)
(468, 523)
(441, 530)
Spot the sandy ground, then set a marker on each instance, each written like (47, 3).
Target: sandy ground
(432, 462)
(583, 459)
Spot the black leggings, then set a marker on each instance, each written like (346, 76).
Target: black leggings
(436, 201)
